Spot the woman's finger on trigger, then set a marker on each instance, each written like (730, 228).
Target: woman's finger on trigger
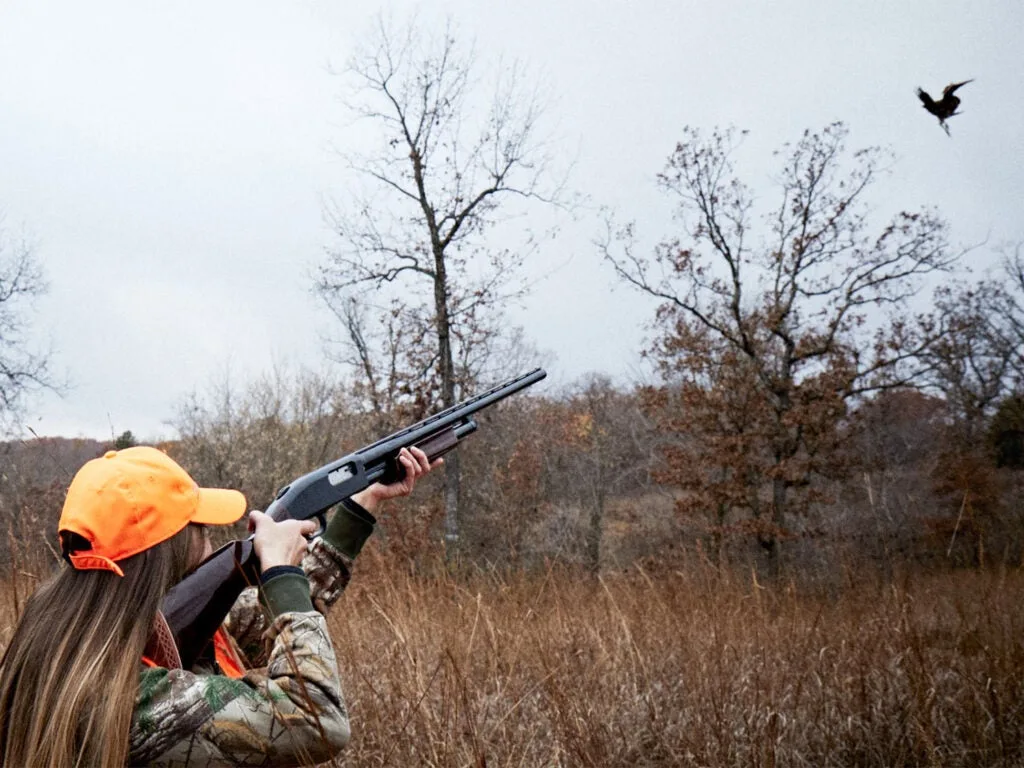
(308, 527)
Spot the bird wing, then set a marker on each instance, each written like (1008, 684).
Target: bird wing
(949, 89)
(928, 101)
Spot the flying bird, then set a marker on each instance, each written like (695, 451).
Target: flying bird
(945, 107)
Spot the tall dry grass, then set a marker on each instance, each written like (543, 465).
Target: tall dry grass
(682, 670)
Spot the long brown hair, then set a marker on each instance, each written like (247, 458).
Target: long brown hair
(69, 677)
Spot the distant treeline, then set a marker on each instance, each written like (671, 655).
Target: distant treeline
(594, 478)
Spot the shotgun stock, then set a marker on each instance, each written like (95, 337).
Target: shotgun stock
(197, 605)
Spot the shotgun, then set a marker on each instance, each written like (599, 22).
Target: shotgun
(197, 605)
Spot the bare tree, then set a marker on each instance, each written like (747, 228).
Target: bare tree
(809, 312)
(452, 166)
(1008, 314)
(24, 369)
(977, 357)
(972, 358)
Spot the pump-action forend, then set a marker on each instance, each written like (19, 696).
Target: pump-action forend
(197, 605)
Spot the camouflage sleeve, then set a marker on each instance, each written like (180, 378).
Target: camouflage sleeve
(328, 571)
(292, 713)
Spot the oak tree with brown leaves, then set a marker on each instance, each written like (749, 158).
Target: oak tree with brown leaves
(768, 326)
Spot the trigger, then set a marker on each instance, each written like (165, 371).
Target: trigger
(322, 519)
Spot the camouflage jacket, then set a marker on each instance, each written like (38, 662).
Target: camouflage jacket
(289, 713)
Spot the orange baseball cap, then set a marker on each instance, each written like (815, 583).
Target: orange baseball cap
(131, 500)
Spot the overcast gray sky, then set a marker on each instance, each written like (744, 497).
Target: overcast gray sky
(170, 159)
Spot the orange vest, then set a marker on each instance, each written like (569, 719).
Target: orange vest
(224, 652)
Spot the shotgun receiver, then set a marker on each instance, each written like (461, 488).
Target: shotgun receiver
(197, 605)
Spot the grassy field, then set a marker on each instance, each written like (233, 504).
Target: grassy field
(680, 670)
(676, 669)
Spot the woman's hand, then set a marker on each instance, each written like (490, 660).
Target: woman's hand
(279, 543)
(416, 465)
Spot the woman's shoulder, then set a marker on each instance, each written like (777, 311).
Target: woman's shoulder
(291, 711)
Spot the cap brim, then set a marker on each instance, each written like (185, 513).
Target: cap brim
(219, 506)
